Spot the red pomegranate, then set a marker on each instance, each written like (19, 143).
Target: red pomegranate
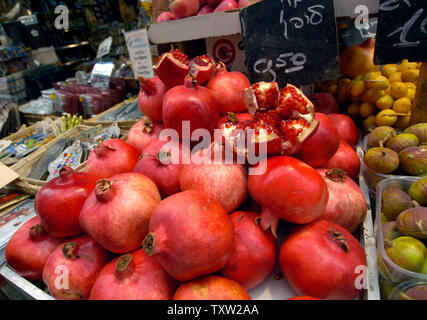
(174, 66)
(192, 103)
(322, 260)
(254, 254)
(213, 3)
(211, 288)
(318, 149)
(165, 16)
(246, 3)
(191, 235)
(324, 102)
(346, 205)
(346, 159)
(143, 132)
(117, 213)
(150, 98)
(205, 10)
(28, 249)
(133, 276)
(72, 268)
(235, 118)
(347, 130)
(228, 89)
(289, 190)
(227, 5)
(184, 8)
(59, 202)
(304, 298)
(162, 163)
(110, 158)
(283, 120)
(226, 183)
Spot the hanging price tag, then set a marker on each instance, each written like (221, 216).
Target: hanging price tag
(401, 31)
(291, 41)
(140, 53)
(104, 48)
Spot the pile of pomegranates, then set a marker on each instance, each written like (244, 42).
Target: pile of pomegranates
(159, 217)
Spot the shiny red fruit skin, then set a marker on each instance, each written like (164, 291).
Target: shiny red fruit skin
(289, 190)
(254, 254)
(118, 217)
(143, 132)
(346, 159)
(142, 279)
(150, 98)
(324, 102)
(346, 127)
(211, 288)
(110, 158)
(80, 271)
(304, 298)
(234, 118)
(226, 183)
(165, 176)
(192, 103)
(316, 265)
(319, 148)
(59, 202)
(228, 89)
(27, 255)
(227, 5)
(192, 235)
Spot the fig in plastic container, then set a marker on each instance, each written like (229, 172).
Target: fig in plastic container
(382, 160)
(190, 234)
(418, 191)
(393, 202)
(417, 292)
(390, 231)
(211, 288)
(420, 130)
(382, 133)
(407, 252)
(413, 222)
(402, 141)
(413, 160)
(133, 276)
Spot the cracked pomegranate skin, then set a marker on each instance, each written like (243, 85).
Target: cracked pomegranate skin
(190, 234)
(315, 264)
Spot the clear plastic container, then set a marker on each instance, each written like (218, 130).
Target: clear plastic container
(391, 275)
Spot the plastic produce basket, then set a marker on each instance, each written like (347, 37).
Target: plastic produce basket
(393, 278)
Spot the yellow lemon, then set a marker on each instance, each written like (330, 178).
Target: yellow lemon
(373, 95)
(367, 109)
(411, 85)
(402, 105)
(419, 64)
(343, 81)
(411, 75)
(411, 93)
(388, 69)
(344, 90)
(369, 75)
(333, 89)
(353, 109)
(359, 77)
(387, 91)
(395, 77)
(357, 87)
(398, 90)
(386, 117)
(377, 83)
(403, 122)
(385, 102)
(369, 123)
(406, 65)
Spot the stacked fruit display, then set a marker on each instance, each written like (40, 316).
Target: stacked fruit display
(186, 8)
(142, 223)
(403, 240)
(378, 95)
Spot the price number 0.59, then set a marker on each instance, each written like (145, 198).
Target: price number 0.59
(292, 62)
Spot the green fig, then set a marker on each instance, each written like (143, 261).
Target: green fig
(390, 231)
(393, 202)
(402, 141)
(413, 222)
(418, 191)
(380, 134)
(382, 160)
(407, 252)
(420, 130)
(424, 268)
(417, 292)
(413, 160)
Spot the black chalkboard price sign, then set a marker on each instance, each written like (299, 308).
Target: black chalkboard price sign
(401, 31)
(290, 41)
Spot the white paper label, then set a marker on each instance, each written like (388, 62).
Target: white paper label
(140, 53)
(104, 48)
